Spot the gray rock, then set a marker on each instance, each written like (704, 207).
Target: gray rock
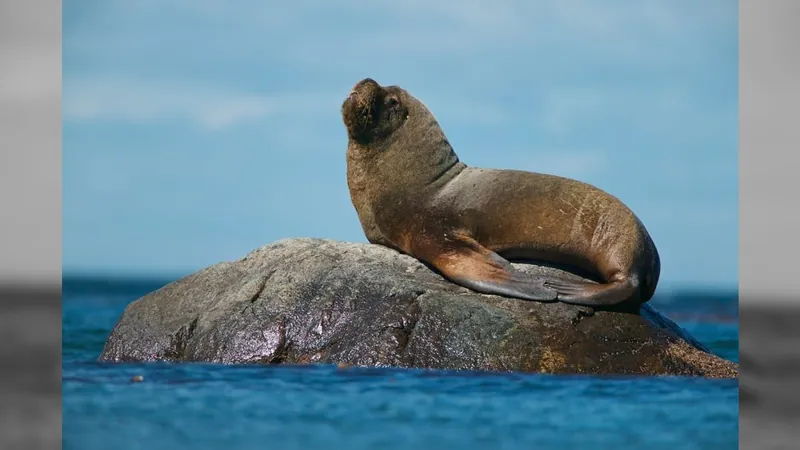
(300, 301)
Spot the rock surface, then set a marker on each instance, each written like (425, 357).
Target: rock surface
(300, 301)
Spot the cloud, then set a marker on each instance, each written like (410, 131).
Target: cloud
(408, 43)
(124, 99)
(600, 90)
(210, 108)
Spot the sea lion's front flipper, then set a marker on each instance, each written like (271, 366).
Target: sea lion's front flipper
(577, 292)
(467, 263)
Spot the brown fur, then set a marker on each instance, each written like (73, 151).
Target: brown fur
(412, 193)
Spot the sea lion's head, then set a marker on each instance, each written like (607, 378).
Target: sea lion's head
(372, 113)
(390, 124)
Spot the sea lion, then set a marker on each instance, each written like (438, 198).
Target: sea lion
(413, 194)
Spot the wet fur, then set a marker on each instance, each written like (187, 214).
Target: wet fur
(412, 193)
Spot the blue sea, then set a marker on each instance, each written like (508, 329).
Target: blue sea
(202, 406)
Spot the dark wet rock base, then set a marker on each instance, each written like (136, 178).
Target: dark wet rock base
(301, 301)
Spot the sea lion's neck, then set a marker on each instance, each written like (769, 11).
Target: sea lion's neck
(448, 168)
(415, 166)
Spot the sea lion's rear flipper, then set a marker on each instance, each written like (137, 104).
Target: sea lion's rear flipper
(473, 266)
(584, 293)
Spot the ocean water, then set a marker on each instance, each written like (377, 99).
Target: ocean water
(201, 406)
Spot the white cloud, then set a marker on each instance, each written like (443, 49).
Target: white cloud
(131, 100)
(394, 38)
(112, 98)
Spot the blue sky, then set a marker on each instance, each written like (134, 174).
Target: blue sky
(196, 131)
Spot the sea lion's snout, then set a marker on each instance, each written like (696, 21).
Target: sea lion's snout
(364, 93)
(359, 107)
(364, 85)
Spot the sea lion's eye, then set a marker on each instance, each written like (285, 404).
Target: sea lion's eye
(392, 102)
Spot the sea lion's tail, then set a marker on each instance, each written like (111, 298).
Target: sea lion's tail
(585, 293)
